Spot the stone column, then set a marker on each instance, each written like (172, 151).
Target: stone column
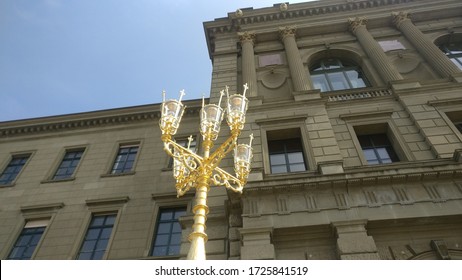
(353, 243)
(249, 74)
(300, 78)
(373, 50)
(424, 45)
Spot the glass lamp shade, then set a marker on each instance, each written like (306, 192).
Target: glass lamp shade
(242, 157)
(211, 117)
(172, 111)
(237, 107)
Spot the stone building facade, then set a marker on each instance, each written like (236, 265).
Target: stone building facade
(356, 109)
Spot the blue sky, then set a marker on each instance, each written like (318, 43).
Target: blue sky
(68, 56)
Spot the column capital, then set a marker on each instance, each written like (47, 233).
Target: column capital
(400, 17)
(355, 23)
(247, 36)
(287, 31)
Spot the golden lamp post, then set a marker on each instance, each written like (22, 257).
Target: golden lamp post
(201, 172)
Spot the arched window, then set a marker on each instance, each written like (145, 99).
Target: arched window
(453, 52)
(335, 74)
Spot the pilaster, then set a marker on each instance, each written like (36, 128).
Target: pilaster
(300, 78)
(424, 45)
(353, 243)
(257, 244)
(249, 74)
(373, 50)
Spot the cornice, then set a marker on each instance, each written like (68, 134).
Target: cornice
(444, 170)
(96, 119)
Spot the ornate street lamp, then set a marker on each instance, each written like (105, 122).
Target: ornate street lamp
(201, 172)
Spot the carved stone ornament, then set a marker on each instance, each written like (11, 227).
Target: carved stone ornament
(247, 37)
(356, 22)
(400, 17)
(287, 31)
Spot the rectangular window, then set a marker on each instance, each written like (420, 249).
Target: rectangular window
(12, 169)
(68, 164)
(377, 148)
(28, 239)
(456, 118)
(167, 239)
(285, 150)
(125, 159)
(97, 237)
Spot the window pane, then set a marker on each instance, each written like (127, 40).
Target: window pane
(160, 251)
(355, 79)
(320, 82)
(98, 255)
(88, 246)
(162, 239)
(84, 256)
(369, 154)
(297, 167)
(338, 81)
(279, 169)
(93, 234)
(176, 227)
(164, 228)
(174, 250)
(106, 233)
(97, 221)
(295, 157)
(166, 215)
(175, 239)
(277, 159)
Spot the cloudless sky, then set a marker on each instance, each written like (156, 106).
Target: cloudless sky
(69, 56)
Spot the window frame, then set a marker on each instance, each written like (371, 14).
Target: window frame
(115, 153)
(446, 108)
(156, 233)
(341, 69)
(58, 161)
(7, 162)
(25, 226)
(103, 206)
(167, 200)
(102, 227)
(283, 123)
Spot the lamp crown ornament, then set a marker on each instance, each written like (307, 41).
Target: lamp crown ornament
(201, 172)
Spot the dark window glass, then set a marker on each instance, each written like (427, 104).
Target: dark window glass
(12, 169)
(286, 155)
(454, 53)
(333, 74)
(167, 240)
(26, 243)
(459, 126)
(68, 164)
(125, 159)
(377, 149)
(95, 243)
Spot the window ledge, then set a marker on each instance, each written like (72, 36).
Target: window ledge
(291, 174)
(7, 185)
(118, 174)
(57, 180)
(174, 257)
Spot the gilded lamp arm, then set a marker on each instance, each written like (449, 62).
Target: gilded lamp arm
(223, 178)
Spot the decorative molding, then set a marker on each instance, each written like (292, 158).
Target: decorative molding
(287, 31)
(247, 36)
(355, 23)
(106, 201)
(367, 115)
(79, 121)
(400, 17)
(50, 207)
(365, 94)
